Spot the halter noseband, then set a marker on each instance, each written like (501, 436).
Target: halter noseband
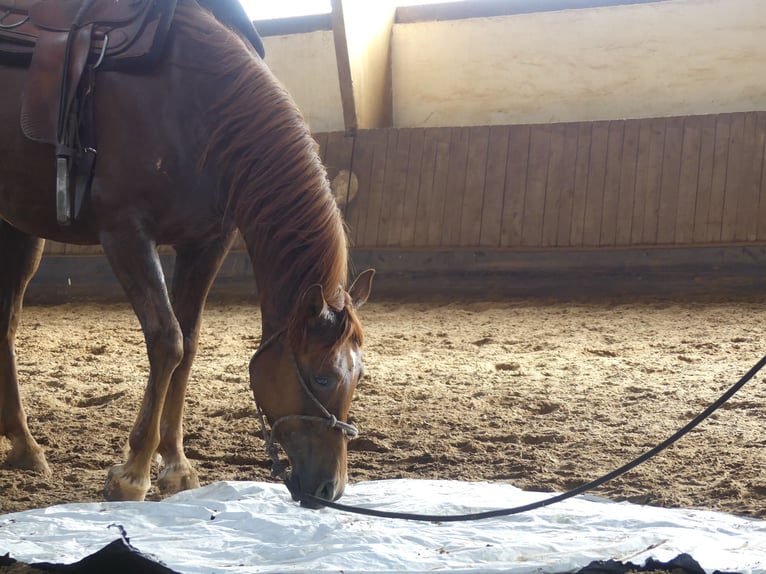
(279, 469)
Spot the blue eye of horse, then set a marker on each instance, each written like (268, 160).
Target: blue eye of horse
(322, 381)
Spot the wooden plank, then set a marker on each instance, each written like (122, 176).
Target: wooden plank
(537, 179)
(594, 198)
(475, 177)
(515, 185)
(627, 184)
(554, 185)
(705, 179)
(377, 189)
(609, 222)
(733, 185)
(369, 164)
(412, 187)
(356, 214)
(494, 186)
(642, 181)
(395, 182)
(577, 228)
(759, 165)
(456, 187)
(343, 62)
(746, 223)
(718, 185)
(747, 215)
(687, 180)
(667, 215)
(425, 189)
(654, 182)
(567, 175)
(438, 197)
(339, 149)
(321, 139)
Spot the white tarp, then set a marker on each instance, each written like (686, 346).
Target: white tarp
(246, 527)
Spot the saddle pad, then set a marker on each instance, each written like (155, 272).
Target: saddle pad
(60, 14)
(136, 29)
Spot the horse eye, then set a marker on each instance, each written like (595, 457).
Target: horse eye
(322, 381)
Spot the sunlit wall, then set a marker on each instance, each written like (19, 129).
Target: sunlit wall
(677, 57)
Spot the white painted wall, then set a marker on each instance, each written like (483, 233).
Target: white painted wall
(668, 58)
(306, 65)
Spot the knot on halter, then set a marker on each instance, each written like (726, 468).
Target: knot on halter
(350, 430)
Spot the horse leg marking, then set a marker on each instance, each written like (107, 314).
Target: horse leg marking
(134, 259)
(19, 257)
(195, 269)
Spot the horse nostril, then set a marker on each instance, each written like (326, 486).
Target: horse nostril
(326, 490)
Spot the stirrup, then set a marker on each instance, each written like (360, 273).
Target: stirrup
(63, 205)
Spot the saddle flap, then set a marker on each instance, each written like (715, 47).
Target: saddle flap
(47, 89)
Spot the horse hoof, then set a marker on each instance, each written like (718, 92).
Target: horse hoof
(32, 458)
(175, 478)
(121, 486)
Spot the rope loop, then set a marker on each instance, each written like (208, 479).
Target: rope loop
(559, 497)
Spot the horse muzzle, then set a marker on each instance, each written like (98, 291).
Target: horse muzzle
(330, 489)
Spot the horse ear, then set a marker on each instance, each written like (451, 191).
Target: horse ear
(360, 288)
(313, 304)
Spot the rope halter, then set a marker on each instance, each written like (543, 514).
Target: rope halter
(278, 468)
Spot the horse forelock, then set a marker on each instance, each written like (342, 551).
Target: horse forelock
(353, 327)
(273, 182)
(346, 328)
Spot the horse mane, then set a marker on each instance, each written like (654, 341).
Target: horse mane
(275, 186)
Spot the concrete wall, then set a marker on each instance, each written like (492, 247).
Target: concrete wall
(667, 58)
(305, 63)
(678, 57)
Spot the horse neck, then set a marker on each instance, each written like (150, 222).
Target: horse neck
(275, 309)
(288, 258)
(272, 183)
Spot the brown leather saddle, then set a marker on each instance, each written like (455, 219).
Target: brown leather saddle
(64, 42)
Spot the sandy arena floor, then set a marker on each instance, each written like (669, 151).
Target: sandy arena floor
(543, 394)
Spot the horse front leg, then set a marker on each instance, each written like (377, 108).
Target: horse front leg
(19, 258)
(195, 269)
(134, 259)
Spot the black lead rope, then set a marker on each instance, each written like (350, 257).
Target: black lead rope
(560, 497)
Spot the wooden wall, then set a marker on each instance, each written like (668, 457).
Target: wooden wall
(650, 182)
(665, 182)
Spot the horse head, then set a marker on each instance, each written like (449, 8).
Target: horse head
(303, 378)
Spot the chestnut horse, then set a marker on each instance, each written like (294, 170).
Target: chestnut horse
(206, 144)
